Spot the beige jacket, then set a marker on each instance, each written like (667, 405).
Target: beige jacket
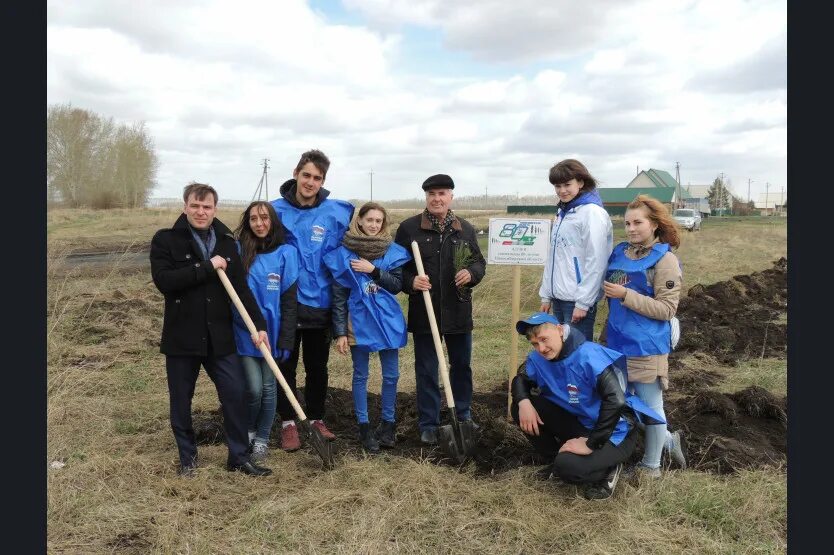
(663, 306)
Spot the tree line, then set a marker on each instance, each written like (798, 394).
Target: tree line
(93, 162)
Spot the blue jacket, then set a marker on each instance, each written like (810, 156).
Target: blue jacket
(314, 230)
(271, 276)
(571, 382)
(628, 331)
(375, 314)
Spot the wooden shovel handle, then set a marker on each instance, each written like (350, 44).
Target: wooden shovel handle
(264, 348)
(438, 346)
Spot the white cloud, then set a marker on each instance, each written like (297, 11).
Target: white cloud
(617, 84)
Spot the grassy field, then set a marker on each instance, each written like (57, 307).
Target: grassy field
(118, 490)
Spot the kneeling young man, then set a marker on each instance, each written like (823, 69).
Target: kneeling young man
(569, 399)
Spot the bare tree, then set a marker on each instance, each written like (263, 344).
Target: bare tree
(93, 162)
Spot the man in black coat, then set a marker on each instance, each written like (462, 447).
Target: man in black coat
(197, 327)
(453, 264)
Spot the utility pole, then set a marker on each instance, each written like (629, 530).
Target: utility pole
(678, 181)
(749, 181)
(767, 186)
(782, 200)
(371, 173)
(263, 184)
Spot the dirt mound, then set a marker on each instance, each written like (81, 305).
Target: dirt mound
(723, 433)
(735, 319)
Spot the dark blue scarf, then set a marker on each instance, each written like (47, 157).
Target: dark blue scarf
(207, 247)
(584, 197)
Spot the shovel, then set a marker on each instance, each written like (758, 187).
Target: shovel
(319, 443)
(457, 440)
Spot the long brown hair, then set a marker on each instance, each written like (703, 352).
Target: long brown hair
(667, 230)
(251, 244)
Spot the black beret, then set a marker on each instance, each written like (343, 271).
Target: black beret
(439, 181)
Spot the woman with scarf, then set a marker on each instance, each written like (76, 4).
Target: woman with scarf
(367, 274)
(580, 243)
(271, 267)
(643, 286)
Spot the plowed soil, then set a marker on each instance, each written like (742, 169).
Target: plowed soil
(731, 320)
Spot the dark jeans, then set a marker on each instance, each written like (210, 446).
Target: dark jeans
(429, 398)
(316, 354)
(560, 426)
(563, 311)
(227, 375)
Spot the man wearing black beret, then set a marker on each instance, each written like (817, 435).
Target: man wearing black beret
(454, 265)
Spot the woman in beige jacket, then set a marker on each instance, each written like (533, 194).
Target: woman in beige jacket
(643, 287)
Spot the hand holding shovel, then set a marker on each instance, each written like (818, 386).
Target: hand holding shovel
(457, 440)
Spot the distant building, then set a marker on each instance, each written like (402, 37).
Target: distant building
(682, 197)
(772, 202)
(616, 199)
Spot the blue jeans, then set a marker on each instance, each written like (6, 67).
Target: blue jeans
(262, 395)
(656, 435)
(563, 311)
(390, 361)
(459, 346)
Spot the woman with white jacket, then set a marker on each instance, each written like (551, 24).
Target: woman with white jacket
(581, 241)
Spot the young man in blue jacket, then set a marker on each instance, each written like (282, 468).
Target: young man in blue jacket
(315, 225)
(569, 399)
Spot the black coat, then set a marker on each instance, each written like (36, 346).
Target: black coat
(197, 306)
(452, 308)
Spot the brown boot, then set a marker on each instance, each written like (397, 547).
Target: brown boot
(289, 438)
(327, 434)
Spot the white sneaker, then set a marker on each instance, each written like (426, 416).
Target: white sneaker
(259, 452)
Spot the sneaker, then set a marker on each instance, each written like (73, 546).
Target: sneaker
(367, 439)
(386, 433)
(605, 487)
(674, 450)
(429, 436)
(289, 438)
(187, 470)
(327, 434)
(259, 452)
(639, 469)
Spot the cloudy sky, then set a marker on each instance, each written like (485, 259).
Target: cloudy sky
(492, 92)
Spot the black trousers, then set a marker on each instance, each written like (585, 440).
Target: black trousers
(316, 353)
(560, 426)
(227, 374)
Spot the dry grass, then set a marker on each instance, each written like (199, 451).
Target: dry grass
(118, 491)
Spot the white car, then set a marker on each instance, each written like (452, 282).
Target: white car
(688, 218)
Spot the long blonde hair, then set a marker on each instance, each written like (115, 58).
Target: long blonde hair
(667, 230)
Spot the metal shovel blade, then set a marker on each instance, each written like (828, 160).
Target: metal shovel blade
(319, 443)
(457, 439)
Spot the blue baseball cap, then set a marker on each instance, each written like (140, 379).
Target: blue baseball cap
(535, 319)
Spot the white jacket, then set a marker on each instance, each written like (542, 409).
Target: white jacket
(580, 243)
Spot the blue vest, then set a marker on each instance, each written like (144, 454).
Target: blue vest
(314, 232)
(629, 332)
(375, 314)
(269, 277)
(571, 383)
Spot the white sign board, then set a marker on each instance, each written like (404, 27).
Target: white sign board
(518, 241)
